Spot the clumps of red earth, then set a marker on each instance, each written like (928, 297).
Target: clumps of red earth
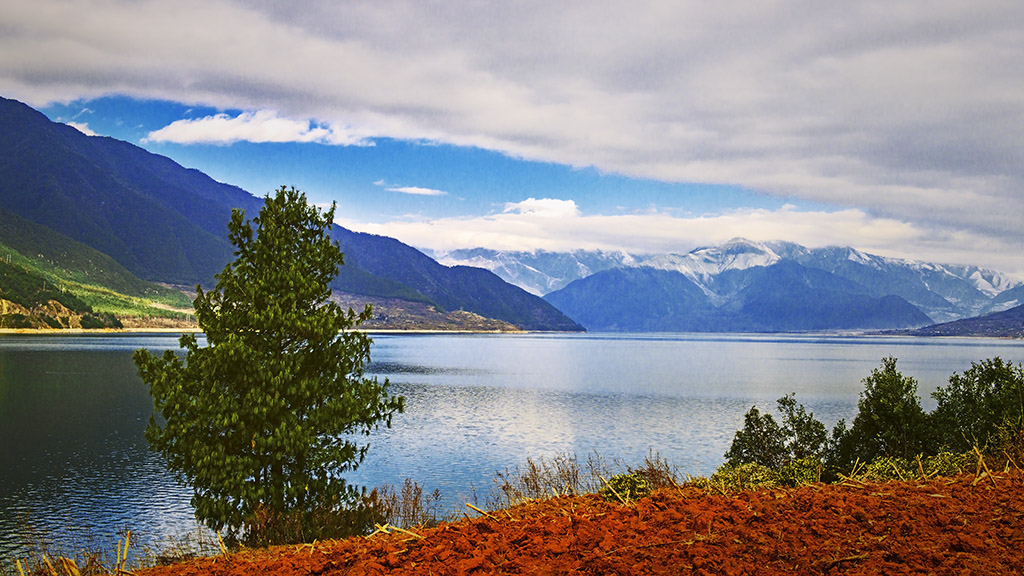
(961, 525)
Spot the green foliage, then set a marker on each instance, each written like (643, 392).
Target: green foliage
(764, 441)
(806, 435)
(891, 437)
(29, 289)
(14, 321)
(950, 463)
(889, 421)
(32, 282)
(51, 255)
(839, 450)
(100, 320)
(262, 421)
(626, 487)
(760, 441)
(801, 471)
(884, 468)
(744, 476)
(980, 406)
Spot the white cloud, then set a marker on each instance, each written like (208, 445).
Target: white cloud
(82, 127)
(557, 225)
(543, 208)
(417, 191)
(410, 190)
(259, 126)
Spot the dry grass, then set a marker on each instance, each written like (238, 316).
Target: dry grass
(563, 474)
(409, 506)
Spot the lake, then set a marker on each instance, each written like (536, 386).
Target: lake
(75, 468)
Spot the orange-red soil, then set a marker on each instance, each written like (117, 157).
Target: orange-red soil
(945, 526)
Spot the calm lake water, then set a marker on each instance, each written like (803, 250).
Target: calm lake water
(75, 468)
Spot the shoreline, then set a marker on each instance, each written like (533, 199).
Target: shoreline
(160, 330)
(428, 331)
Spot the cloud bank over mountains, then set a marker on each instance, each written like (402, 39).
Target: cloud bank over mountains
(559, 226)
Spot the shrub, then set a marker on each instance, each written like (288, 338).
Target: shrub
(626, 487)
(657, 471)
(15, 321)
(949, 463)
(760, 441)
(408, 507)
(805, 434)
(982, 407)
(337, 518)
(100, 320)
(886, 468)
(801, 471)
(745, 476)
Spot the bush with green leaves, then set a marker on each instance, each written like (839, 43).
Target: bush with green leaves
(262, 421)
(949, 463)
(886, 468)
(764, 441)
(801, 471)
(626, 487)
(760, 441)
(982, 407)
(889, 420)
(744, 476)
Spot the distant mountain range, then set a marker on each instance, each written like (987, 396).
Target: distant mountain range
(167, 224)
(538, 272)
(751, 286)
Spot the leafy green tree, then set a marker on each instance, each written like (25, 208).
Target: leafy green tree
(890, 420)
(263, 421)
(806, 435)
(979, 404)
(764, 441)
(760, 441)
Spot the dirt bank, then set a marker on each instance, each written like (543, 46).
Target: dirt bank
(946, 526)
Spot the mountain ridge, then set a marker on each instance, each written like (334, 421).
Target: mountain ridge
(166, 223)
(783, 297)
(943, 292)
(1004, 324)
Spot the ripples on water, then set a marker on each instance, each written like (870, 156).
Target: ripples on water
(76, 469)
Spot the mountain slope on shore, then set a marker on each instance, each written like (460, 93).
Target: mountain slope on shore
(1005, 324)
(168, 224)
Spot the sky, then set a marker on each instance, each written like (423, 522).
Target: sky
(895, 127)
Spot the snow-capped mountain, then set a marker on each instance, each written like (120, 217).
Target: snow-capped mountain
(538, 272)
(943, 292)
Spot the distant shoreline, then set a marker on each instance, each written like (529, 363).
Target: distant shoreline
(59, 331)
(399, 331)
(112, 331)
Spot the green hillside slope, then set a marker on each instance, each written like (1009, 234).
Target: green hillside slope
(48, 280)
